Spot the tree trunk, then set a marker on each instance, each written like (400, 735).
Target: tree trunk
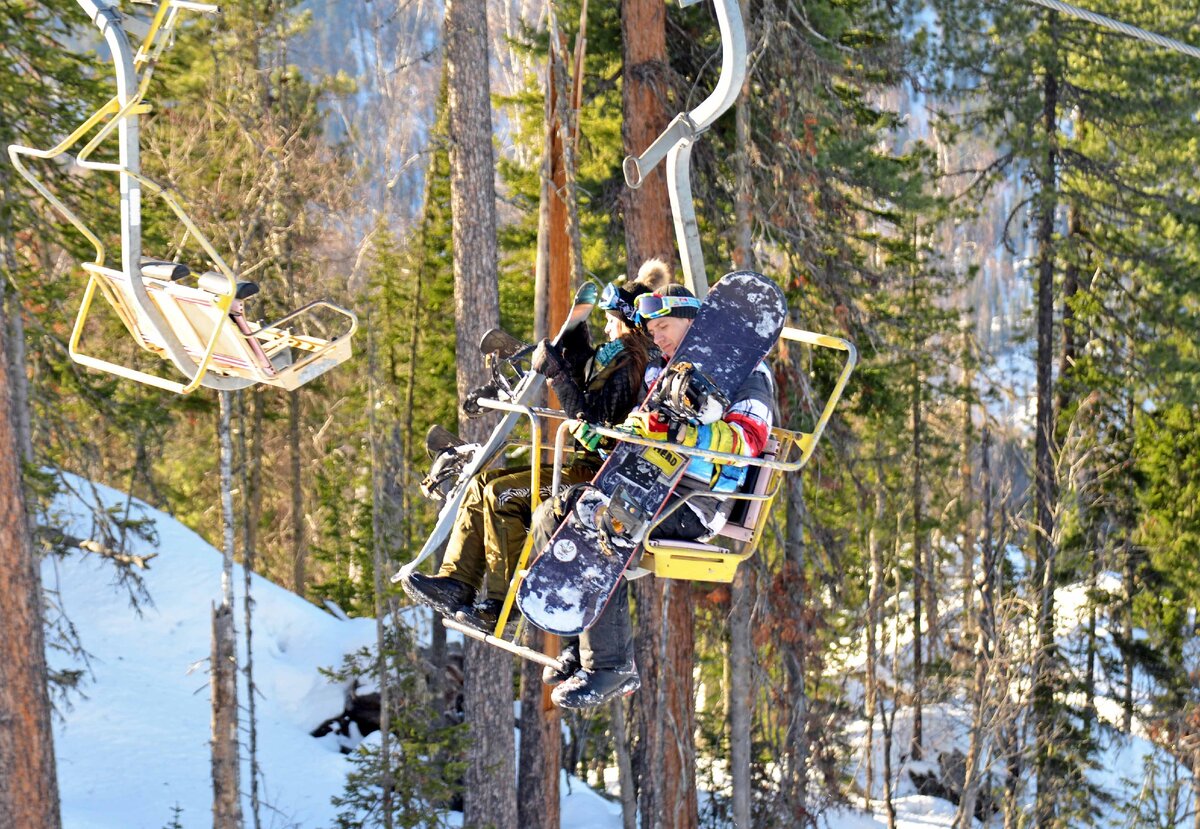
(248, 563)
(28, 786)
(677, 650)
(918, 585)
(620, 730)
(541, 746)
(967, 497)
(665, 714)
(226, 762)
(14, 347)
(381, 538)
(1042, 693)
(648, 223)
(797, 748)
(490, 795)
(985, 628)
(741, 691)
(874, 608)
(299, 551)
(743, 590)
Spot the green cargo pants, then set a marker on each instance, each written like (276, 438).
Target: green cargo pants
(493, 521)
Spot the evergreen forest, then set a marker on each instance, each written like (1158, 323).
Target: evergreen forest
(985, 579)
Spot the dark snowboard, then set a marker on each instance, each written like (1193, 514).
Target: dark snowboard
(570, 582)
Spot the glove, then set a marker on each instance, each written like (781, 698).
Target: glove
(587, 437)
(548, 361)
(646, 425)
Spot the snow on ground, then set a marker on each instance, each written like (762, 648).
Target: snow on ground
(135, 746)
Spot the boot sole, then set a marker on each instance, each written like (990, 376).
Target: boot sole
(420, 598)
(619, 693)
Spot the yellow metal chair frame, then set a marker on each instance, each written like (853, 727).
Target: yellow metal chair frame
(227, 356)
(689, 560)
(667, 558)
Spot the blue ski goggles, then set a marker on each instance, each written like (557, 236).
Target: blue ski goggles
(615, 299)
(653, 306)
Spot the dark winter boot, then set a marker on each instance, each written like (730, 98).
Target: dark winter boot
(569, 657)
(483, 616)
(588, 689)
(444, 594)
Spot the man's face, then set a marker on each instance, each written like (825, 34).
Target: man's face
(667, 333)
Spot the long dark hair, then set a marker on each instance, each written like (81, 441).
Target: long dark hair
(637, 346)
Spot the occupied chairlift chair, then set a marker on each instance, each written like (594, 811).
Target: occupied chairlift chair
(787, 451)
(199, 325)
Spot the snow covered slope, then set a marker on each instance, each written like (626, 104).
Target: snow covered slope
(133, 750)
(135, 747)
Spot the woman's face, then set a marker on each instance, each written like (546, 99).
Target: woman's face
(614, 326)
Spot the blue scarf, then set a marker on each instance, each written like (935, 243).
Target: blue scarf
(606, 353)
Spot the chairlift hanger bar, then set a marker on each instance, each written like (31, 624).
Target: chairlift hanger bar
(1118, 26)
(675, 143)
(129, 92)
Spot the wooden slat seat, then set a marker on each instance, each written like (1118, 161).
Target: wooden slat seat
(222, 342)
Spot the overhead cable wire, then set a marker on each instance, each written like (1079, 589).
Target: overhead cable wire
(1118, 26)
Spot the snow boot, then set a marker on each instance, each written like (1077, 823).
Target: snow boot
(444, 594)
(483, 617)
(569, 657)
(588, 689)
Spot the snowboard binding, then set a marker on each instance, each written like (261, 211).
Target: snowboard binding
(507, 361)
(685, 394)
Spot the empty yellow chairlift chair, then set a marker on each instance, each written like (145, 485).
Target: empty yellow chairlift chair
(198, 324)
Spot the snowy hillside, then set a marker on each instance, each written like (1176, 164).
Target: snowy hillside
(133, 749)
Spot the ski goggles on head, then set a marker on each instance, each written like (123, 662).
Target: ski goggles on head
(614, 299)
(653, 306)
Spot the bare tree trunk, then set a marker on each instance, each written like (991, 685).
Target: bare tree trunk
(986, 627)
(299, 551)
(248, 560)
(967, 496)
(663, 783)
(11, 313)
(379, 539)
(620, 729)
(648, 753)
(19, 384)
(1042, 693)
(796, 659)
(226, 763)
(28, 786)
(490, 795)
(677, 698)
(874, 607)
(742, 592)
(741, 692)
(541, 746)
(918, 586)
(648, 223)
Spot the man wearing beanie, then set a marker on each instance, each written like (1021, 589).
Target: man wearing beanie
(607, 668)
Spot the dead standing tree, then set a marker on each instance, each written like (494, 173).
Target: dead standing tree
(490, 797)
